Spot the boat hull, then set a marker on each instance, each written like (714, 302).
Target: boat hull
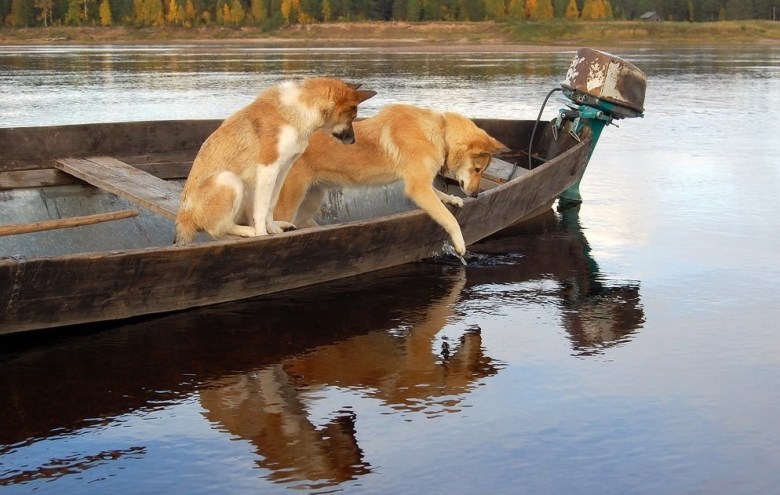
(59, 291)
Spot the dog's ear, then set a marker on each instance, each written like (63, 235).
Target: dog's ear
(487, 144)
(364, 95)
(353, 86)
(498, 147)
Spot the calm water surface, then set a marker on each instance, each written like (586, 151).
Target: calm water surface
(628, 346)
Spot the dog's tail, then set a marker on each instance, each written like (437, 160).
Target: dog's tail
(185, 228)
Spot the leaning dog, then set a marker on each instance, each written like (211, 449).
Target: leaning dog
(239, 170)
(403, 143)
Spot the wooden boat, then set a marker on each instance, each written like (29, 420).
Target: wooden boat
(86, 224)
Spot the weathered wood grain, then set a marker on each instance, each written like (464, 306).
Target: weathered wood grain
(58, 291)
(126, 181)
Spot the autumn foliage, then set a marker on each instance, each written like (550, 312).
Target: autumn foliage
(272, 14)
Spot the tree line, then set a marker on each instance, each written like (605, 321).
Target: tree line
(273, 14)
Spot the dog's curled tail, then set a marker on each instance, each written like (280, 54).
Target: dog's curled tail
(185, 228)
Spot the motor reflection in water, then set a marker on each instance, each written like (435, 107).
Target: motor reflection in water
(257, 367)
(598, 313)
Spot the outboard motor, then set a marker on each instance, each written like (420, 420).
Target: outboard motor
(606, 83)
(602, 88)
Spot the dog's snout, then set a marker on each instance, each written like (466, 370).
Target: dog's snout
(347, 136)
(472, 194)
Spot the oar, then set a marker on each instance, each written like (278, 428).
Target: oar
(62, 223)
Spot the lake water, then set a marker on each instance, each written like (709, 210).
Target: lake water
(627, 346)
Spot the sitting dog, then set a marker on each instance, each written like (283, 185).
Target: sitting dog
(240, 168)
(403, 143)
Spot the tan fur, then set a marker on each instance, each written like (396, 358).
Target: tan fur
(403, 143)
(239, 170)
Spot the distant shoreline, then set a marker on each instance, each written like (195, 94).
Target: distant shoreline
(424, 36)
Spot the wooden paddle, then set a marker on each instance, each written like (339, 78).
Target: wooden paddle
(62, 223)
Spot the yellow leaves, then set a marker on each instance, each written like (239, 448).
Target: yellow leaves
(105, 13)
(572, 12)
(593, 10)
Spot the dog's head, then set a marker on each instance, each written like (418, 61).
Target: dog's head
(469, 152)
(339, 107)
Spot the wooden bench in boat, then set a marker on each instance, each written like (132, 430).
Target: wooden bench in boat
(501, 171)
(124, 180)
(116, 177)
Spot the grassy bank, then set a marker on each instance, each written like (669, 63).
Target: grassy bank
(620, 32)
(553, 33)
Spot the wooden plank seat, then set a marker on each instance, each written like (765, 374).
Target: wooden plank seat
(124, 180)
(501, 171)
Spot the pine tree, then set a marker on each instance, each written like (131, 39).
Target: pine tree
(259, 14)
(474, 10)
(326, 11)
(308, 11)
(571, 11)
(543, 11)
(592, 10)
(237, 12)
(190, 14)
(22, 13)
(148, 13)
(286, 9)
(173, 12)
(399, 10)
(226, 14)
(105, 13)
(430, 10)
(739, 9)
(495, 10)
(516, 10)
(413, 10)
(73, 15)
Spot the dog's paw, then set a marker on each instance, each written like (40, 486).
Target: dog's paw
(460, 246)
(452, 200)
(275, 227)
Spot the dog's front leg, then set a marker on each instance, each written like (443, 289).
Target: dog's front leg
(277, 226)
(265, 180)
(426, 198)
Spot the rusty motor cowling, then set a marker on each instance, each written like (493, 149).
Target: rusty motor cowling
(602, 88)
(605, 82)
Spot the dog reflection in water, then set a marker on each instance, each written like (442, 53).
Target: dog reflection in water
(266, 408)
(403, 369)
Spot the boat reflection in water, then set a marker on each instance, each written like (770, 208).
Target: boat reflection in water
(258, 368)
